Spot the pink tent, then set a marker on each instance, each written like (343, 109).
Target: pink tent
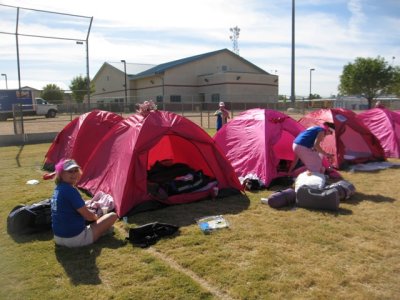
(78, 139)
(385, 125)
(259, 142)
(120, 162)
(352, 141)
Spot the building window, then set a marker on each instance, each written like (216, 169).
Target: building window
(175, 98)
(159, 99)
(224, 68)
(215, 98)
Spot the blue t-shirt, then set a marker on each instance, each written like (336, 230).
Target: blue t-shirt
(307, 137)
(67, 221)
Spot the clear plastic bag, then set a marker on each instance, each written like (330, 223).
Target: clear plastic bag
(211, 223)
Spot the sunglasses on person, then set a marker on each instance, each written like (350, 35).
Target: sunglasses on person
(72, 171)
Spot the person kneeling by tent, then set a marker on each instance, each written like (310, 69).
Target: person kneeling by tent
(69, 212)
(307, 147)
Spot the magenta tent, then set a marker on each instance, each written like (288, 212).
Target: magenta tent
(385, 125)
(259, 142)
(351, 143)
(120, 163)
(78, 139)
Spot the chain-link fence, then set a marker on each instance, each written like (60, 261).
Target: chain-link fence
(199, 112)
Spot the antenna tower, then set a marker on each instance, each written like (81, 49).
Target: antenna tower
(234, 38)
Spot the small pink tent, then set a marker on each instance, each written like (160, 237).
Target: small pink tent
(352, 141)
(259, 142)
(385, 125)
(78, 139)
(120, 163)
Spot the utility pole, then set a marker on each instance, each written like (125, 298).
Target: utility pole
(5, 76)
(126, 91)
(309, 97)
(292, 95)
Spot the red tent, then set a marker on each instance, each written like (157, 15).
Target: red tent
(385, 125)
(352, 141)
(119, 164)
(78, 139)
(259, 142)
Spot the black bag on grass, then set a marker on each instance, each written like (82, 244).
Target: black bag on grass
(25, 219)
(148, 234)
(314, 198)
(346, 189)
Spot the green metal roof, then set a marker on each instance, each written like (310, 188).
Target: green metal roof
(159, 69)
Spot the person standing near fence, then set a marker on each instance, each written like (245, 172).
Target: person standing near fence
(222, 115)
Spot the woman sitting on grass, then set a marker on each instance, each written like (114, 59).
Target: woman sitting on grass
(69, 212)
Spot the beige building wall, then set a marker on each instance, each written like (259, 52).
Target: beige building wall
(109, 84)
(219, 77)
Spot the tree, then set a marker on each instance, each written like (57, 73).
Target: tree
(369, 77)
(52, 93)
(282, 97)
(395, 86)
(314, 96)
(78, 87)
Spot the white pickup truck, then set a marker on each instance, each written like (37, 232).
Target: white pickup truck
(44, 108)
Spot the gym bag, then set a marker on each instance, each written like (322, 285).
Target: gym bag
(25, 219)
(148, 234)
(314, 198)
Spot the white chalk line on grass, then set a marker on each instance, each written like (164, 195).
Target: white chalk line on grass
(203, 283)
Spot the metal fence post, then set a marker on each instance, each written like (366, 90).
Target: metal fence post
(18, 119)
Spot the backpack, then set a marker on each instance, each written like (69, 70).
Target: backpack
(26, 219)
(345, 188)
(251, 184)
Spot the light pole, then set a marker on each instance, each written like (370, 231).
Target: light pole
(310, 82)
(87, 69)
(126, 91)
(292, 89)
(5, 75)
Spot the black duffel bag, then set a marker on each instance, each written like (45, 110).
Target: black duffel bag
(148, 234)
(26, 219)
(314, 198)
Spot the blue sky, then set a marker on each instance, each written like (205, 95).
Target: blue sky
(329, 35)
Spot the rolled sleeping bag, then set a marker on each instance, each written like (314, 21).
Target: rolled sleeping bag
(282, 198)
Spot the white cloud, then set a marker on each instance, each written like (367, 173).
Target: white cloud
(357, 16)
(329, 34)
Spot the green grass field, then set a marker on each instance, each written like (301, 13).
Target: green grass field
(265, 254)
